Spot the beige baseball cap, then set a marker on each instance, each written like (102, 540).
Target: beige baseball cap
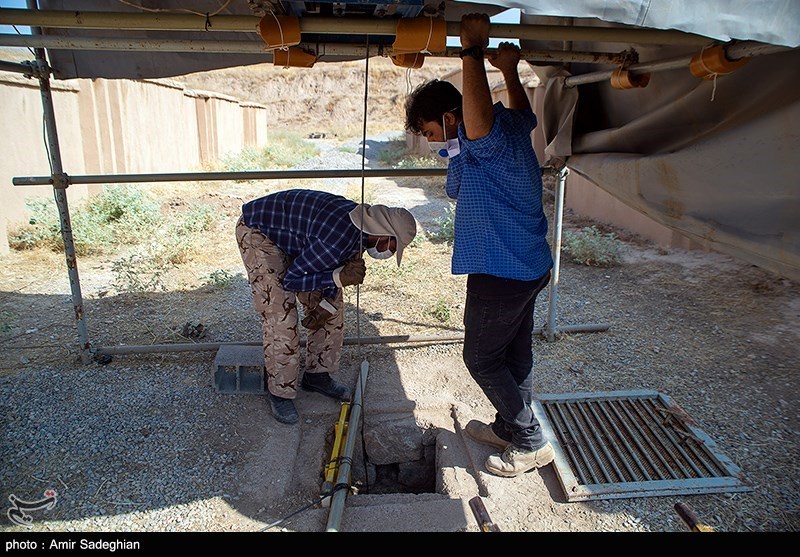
(380, 220)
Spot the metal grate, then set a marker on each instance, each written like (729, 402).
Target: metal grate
(631, 444)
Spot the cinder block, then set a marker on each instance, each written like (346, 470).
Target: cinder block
(239, 369)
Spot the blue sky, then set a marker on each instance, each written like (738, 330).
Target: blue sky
(5, 29)
(508, 16)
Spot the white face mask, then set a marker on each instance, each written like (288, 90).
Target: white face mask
(446, 148)
(375, 254)
(438, 148)
(452, 145)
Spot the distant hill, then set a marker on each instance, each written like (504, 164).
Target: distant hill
(328, 98)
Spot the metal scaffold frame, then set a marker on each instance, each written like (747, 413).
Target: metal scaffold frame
(61, 180)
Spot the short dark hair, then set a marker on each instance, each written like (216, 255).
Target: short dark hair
(428, 102)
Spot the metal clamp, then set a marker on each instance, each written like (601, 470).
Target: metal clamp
(39, 69)
(61, 181)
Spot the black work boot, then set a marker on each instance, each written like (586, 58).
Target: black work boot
(283, 409)
(323, 383)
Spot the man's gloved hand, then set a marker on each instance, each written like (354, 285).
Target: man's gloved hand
(353, 272)
(310, 299)
(318, 316)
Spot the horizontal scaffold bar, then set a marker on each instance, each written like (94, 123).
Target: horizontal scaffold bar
(253, 47)
(331, 25)
(221, 176)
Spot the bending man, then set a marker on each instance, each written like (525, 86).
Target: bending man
(306, 245)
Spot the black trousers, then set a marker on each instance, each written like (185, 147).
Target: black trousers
(498, 344)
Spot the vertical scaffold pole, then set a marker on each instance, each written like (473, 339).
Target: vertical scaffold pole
(60, 184)
(558, 218)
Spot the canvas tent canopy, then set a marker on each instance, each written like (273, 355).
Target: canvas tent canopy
(713, 158)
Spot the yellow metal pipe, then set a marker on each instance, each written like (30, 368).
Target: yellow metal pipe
(330, 25)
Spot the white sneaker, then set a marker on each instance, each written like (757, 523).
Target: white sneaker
(514, 461)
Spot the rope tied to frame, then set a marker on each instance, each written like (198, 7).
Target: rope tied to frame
(279, 32)
(416, 38)
(280, 29)
(207, 15)
(711, 62)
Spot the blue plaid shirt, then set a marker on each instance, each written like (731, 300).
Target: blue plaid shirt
(313, 228)
(500, 228)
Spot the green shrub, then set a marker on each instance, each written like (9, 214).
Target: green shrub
(139, 272)
(42, 230)
(420, 161)
(396, 155)
(284, 150)
(221, 279)
(446, 225)
(118, 215)
(591, 247)
(198, 218)
(440, 311)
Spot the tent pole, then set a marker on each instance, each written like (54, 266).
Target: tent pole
(334, 26)
(734, 51)
(342, 486)
(324, 50)
(60, 183)
(558, 218)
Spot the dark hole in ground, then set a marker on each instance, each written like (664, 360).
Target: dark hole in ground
(416, 476)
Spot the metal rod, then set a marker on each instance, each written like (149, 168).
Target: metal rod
(26, 69)
(322, 50)
(666, 445)
(654, 450)
(733, 52)
(569, 441)
(631, 451)
(609, 435)
(206, 346)
(485, 522)
(331, 25)
(221, 176)
(690, 518)
(390, 339)
(668, 434)
(558, 217)
(343, 479)
(576, 433)
(58, 180)
(590, 427)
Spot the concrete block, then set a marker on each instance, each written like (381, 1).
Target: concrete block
(239, 369)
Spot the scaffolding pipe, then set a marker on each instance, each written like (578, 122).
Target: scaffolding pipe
(558, 217)
(349, 341)
(60, 183)
(252, 47)
(343, 479)
(732, 52)
(221, 176)
(26, 69)
(332, 25)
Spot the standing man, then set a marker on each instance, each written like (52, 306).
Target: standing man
(306, 245)
(500, 237)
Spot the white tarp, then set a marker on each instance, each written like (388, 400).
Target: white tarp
(769, 21)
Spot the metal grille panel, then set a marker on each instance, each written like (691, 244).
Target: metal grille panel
(631, 444)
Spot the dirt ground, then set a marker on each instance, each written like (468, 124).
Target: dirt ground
(719, 336)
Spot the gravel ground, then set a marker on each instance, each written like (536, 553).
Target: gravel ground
(144, 443)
